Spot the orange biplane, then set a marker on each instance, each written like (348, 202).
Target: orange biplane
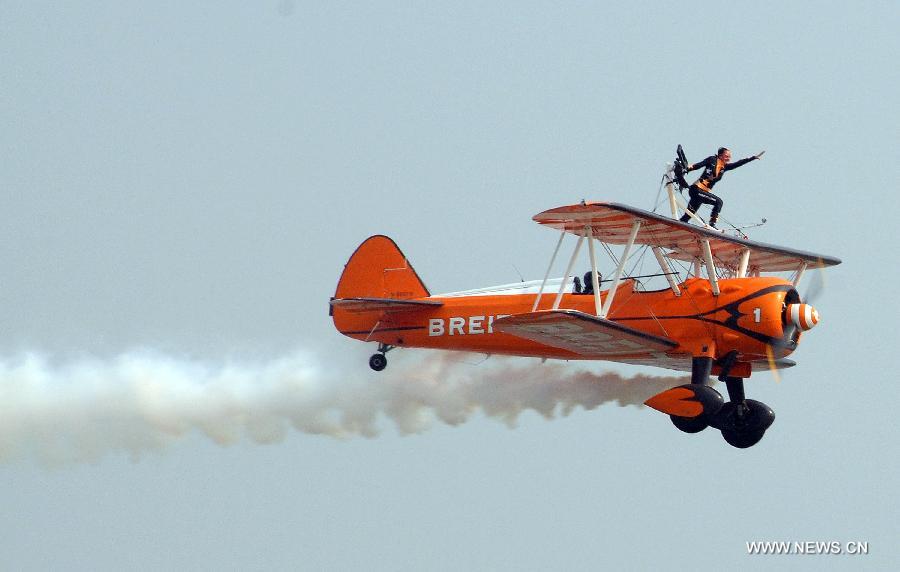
(717, 315)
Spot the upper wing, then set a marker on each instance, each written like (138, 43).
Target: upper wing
(382, 304)
(583, 334)
(612, 223)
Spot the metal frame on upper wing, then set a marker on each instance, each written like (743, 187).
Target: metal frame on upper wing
(615, 223)
(612, 223)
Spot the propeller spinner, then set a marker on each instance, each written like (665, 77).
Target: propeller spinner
(803, 316)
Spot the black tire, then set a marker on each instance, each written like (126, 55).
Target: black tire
(758, 417)
(742, 440)
(744, 431)
(378, 362)
(690, 424)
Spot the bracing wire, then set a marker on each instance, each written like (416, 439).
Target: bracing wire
(662, 183)
(609, 252)
(642, 250)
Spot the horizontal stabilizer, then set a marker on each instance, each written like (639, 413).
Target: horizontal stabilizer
(383, 304)
(586, 335)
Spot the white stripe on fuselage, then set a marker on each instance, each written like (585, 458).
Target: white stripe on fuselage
(530, 287)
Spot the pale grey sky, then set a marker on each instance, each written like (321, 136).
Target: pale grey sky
(191, 178)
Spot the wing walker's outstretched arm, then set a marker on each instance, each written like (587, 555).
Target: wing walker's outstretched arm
(708, 162)
(739, 163)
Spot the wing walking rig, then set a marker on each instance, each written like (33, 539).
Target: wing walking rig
(727, 316)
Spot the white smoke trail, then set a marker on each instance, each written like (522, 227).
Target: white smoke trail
(143, 402)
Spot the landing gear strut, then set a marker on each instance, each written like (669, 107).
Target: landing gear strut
(742, 421)
(378, 361)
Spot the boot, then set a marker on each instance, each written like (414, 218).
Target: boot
(712, 222)
(686, 217)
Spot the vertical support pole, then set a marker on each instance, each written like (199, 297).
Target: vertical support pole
(670, 188)
(562, 235)
(696, 268)
(701, 367)
(667, 270)
(673, 204)
(735, 386)
(800, 272)
(595, 282)
(745, 260)
(710, 267)
(619, 269)
(565, 279)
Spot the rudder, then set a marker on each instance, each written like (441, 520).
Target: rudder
(379, 269)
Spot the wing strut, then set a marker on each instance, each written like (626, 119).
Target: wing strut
(595, 282)
(800, 272)
(745, 260)
(620, 268)
(562, 235)
(710, 267)
(565, 279)
(667, 270)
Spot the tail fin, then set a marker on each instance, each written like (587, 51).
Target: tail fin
(379, 270)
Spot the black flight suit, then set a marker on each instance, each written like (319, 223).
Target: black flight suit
(700, 192)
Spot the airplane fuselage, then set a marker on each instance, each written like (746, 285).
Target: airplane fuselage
(746, 316)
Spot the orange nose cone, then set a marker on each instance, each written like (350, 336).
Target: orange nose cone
(804, 316)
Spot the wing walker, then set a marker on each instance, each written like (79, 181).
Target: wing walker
(728, 307)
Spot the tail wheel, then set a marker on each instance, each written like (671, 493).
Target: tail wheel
(378, 362)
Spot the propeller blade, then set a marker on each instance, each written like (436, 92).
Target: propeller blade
(816, 284)
(770, 353)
